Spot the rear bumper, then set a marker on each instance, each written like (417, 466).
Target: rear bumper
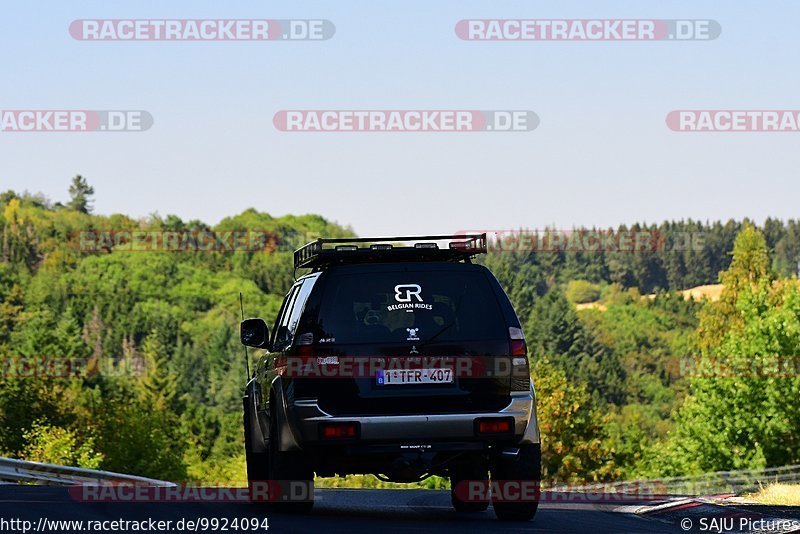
(303, 417)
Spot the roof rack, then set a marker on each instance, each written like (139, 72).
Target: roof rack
(461, 247)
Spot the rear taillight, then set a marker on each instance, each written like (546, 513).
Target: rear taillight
(520, 371)
(307, 362)
(519, 348)
(301, 363)
(494, 426)
(339, 430)
(306, 351)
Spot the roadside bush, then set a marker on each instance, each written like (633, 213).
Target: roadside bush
(56, 445)
(581, 291)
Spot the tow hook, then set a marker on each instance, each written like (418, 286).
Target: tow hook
(510, 452)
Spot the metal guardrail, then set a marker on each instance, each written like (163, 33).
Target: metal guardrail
(709, 483)
(720, 482)
(34, 472)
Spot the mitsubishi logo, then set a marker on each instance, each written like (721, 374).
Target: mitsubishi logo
(414, 350)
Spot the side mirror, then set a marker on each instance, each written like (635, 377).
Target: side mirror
(254, 333)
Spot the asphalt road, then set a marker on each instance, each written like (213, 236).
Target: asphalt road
(351, 510)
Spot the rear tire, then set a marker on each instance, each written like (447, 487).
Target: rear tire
(257, 463)
(291, 467)
(274, 465)
(525, 467)
(475, 471)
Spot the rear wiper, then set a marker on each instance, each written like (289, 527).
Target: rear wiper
(451, 323)
(437, 334)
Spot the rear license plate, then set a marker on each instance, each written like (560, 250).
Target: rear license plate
(392, 377)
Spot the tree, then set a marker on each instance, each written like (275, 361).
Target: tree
(68, 336)
(742, 412)
(133, 435)
(10, 309)
(521, 276)
(19, 240)
(554, 331)
(581, 291)
(7, 196)
(572, 427)
(786, 256)
(750, 265)
(159, 383)
(80, 193)
(56, 445)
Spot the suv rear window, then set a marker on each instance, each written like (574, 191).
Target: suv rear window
(409, 306)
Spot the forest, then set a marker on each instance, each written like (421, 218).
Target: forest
(157, 388)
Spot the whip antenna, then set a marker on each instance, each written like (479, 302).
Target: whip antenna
(246, 358)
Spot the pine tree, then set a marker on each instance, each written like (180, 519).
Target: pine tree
(555, 332)
(80, 193)
(68, 336)
(159, 384)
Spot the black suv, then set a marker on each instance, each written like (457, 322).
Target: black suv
(396, 357)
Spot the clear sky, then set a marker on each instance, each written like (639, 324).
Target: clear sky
(602, 154)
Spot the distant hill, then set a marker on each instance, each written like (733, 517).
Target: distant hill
(710, 292)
